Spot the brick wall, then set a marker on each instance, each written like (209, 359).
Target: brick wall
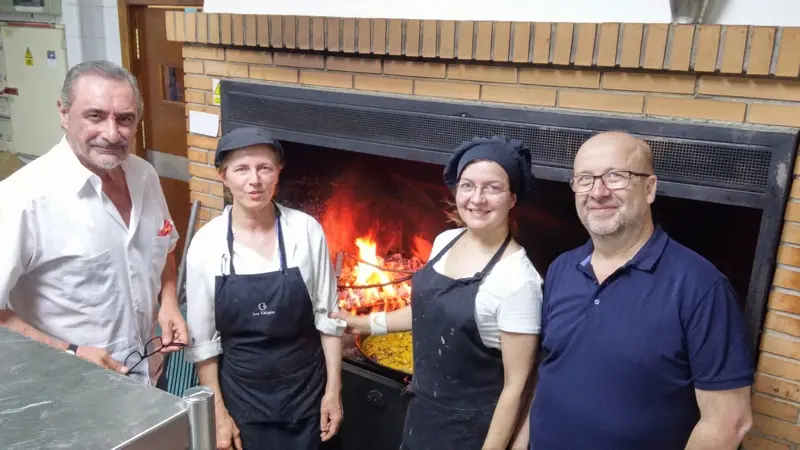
(731, 75)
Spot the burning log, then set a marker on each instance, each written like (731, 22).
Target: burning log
(369, 283)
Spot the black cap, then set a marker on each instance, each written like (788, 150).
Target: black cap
(245, 137)
(511, 154)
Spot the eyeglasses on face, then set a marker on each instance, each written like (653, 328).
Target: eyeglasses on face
(613, 180)
(152, 347)
(468, 187)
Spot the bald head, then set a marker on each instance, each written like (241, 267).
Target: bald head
(619, 143)
(620, 202)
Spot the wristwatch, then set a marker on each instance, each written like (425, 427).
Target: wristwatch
(72, 349)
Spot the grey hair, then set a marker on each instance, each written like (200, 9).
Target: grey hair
(103, 69)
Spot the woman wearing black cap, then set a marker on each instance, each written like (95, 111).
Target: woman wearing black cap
(474, 313)
(259, 289)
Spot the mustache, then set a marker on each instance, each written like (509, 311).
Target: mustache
(119, 145)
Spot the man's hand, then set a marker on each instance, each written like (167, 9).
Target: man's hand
(227, 431)
(173, 328)
(101, 358)
(330, 415)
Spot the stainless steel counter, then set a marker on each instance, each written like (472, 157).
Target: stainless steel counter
(52, 400)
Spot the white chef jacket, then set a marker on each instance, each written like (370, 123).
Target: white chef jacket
(208, 257)
(71, 268)
(509, 298)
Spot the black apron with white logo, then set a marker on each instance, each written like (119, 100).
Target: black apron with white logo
(457, 379)
(272, 369)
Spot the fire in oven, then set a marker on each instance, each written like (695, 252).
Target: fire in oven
(369, 283)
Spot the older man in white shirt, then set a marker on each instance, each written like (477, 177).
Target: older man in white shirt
(88, 238)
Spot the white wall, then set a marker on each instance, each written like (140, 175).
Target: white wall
(91, 28)
(731, 12)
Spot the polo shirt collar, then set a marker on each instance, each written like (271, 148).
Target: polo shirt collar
(645, 259)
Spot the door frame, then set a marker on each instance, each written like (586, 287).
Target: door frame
(128, 43)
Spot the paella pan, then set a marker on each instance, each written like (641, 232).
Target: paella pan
(392, 351)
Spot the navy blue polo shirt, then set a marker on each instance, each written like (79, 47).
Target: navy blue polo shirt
(623, 358)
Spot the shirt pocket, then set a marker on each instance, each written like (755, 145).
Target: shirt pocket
(91, 280)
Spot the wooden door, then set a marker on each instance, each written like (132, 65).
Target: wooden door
(158, 65)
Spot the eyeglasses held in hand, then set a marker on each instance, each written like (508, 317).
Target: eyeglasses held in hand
(149, 351)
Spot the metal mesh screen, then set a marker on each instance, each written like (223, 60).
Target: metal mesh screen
(181, 375)
(688, 161)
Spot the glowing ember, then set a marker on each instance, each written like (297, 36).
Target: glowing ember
(387, 281)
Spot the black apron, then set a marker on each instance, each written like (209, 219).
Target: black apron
(272, 369)
(457, 380)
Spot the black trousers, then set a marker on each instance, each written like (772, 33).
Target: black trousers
(163, 382)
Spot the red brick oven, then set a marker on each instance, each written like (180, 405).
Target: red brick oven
(721, 105)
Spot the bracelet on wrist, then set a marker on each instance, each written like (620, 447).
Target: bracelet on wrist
(377, 324)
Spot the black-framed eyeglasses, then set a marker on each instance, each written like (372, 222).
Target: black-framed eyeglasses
(613, 180)
(150, 349)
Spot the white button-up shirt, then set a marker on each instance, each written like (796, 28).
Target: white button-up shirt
(71, 268)
(208, 257)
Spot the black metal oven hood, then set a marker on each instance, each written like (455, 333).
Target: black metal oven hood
(743, 165)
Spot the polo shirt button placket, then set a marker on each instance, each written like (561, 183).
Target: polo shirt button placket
(594, 300)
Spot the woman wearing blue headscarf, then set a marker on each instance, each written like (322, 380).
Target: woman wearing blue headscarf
(474, 313)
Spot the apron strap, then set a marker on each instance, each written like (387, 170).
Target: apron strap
(231, 270)
(445, 249)
(497, 255)
(281, 248)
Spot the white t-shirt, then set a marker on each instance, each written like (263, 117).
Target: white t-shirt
(71, 268)
(306, 248)
(509, 298)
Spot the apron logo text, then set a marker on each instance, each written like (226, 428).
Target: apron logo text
(262, 310)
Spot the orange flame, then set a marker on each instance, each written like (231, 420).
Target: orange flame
(369, 275)
(389, 296)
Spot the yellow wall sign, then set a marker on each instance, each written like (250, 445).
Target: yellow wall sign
(216, 98)
(28, 57)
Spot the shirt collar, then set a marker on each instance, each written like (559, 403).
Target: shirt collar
(77, 175)
(645, 259)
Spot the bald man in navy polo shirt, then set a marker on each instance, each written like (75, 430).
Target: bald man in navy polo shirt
(645, 345)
